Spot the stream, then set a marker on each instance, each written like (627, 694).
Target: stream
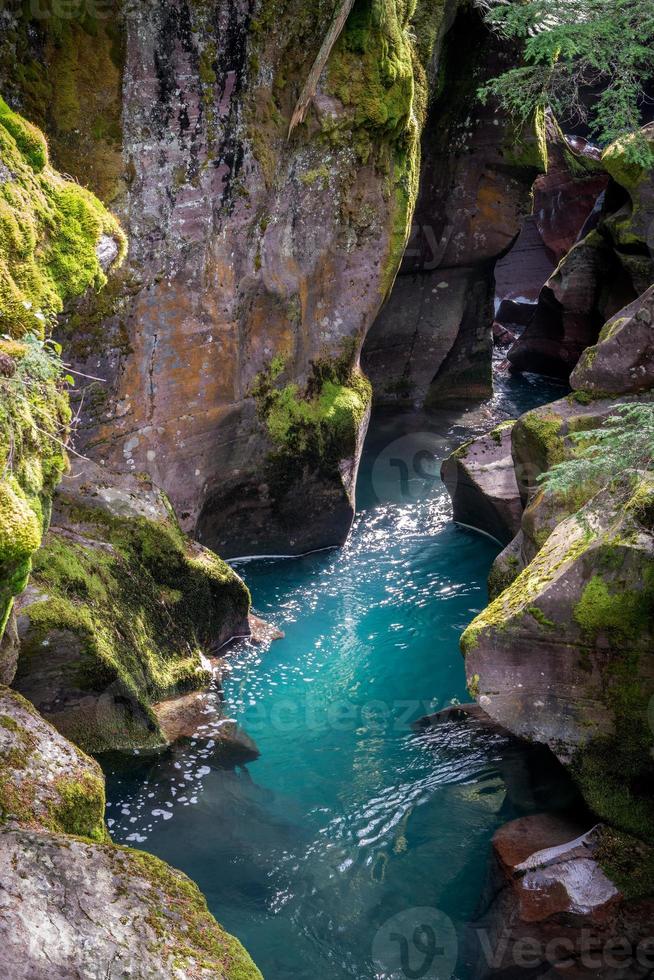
(348, 819)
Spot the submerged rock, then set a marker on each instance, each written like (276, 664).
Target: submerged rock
(71, 908)
(564, 900)
(481, 480)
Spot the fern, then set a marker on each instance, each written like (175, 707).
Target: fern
(617, 452)
(590, 61)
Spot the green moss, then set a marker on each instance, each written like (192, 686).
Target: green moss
(627, 862)
(624, 171)
(49, 229)
(504, 571)
(542, 434)
(499, 430)
(625, 612)
(63, 68)
(180, 918)
(528, 146)
(81, 811)
(473, 686)
(319, 425)
(144, 604)
(313, 176)
(29, 140)
(540, 617)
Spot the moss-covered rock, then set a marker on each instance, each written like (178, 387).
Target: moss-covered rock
(44, 780)
(50, 232)
(99, 907)
(622, 361)
(121, 612)
(564, 655)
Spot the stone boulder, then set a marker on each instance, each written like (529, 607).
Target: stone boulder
(599, 276)
(564, 900)
(71, 908)
(630, 226)
(587, 287)
(564, 655)
(480, 478)
(122, 612)
(622, 361)
(44, 780)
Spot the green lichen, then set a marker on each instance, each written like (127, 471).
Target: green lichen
(626, 172)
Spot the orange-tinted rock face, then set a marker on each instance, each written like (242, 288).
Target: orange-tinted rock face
(246, 250)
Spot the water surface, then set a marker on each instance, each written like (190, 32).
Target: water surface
(348, 818)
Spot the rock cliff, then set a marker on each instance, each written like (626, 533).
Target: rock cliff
(257, 261)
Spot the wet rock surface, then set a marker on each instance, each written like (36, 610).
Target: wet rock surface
(553, 909)
(122, 612)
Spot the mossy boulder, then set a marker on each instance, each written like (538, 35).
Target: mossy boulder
(305, 488)
(45, 782)
(622, 361)
(69, 907)
(630, 226)
(122, 612)
(564, 655)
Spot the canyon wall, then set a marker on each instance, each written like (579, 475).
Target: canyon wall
(258, 261)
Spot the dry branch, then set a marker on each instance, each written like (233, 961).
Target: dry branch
(338, 23)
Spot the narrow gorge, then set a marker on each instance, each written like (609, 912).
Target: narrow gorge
(326, 489)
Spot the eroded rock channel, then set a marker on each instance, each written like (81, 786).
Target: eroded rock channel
(294, 323)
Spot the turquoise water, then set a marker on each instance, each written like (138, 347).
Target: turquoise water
(348, 818)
